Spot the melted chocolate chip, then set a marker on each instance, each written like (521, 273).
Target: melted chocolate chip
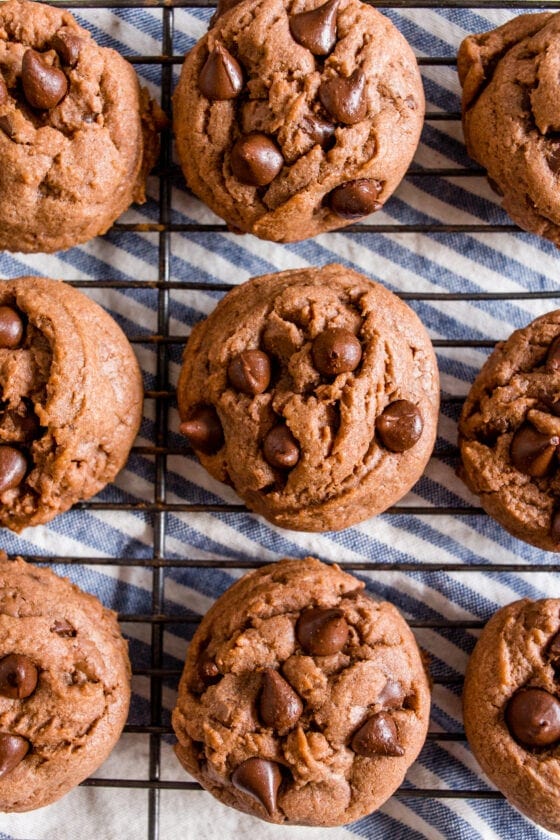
(532, 452)
(279, 705)
(18, 676)
(4, 96)
(391, 695)
(280, 448)
(256, 160)
(316, 29)
(322, 632)
(335, 351)
(355, 199)
(11, 328)
(533, 717)
(344, 97)
(203, 429)
(68, 47)
(377, 736)
(249, 372)
(13, 749)
(553, 355)
(13, 467)
(63, 628)
(208, 671)
(399, 426)
(222, 76)
(44, 86)
(318, 130)
(260, 779)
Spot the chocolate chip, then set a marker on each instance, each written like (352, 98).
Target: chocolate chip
(18, 676)
(316, 29)
(531, 451)
(533, 717)
(355, 199)
(335, 351)
(4, 96)
(344, 97)
(43, 85)
(13, 467)
(320, 131)
(322, 632)
(63, 628)
(280, 448)
(249, 372)
(391, 695)
(260, 779)
(279, 705)
(256, 159)
(68, 47)
(13, 748)
(377, 736)
(553, 355)
(203, 429)
(221, 77)
(400, 425)
(11, 328)
(208, 671)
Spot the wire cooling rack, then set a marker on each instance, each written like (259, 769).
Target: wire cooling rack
(162, 395)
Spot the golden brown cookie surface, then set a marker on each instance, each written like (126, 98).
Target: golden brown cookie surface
(64, 685)
(335, 417)
(511, 706)
(303, 701)
(77, 135)
(294, 118)
(71, 393)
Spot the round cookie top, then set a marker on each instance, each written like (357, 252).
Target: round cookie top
(511, 706)
(511, 118)
(315, 393)
(77, 136)
(509, 433)
(294, 118)
(64, 685)
(71, 396)
(302, 700)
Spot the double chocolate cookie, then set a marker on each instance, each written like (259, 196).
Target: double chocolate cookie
(509, 433)
(315, 393)
(302, 701)
(511, 705)
(294, 118)
(70, 399)
(77, 135)
(511, 117)
(64, 685)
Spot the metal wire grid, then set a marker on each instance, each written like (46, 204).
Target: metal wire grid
(163, 396)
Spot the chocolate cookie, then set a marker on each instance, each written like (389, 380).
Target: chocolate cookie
(511, 117)
(509, 433)
(302, 700)
(315, 393)
(294, 118)
(64, 685)
(77, 135)
(70, 399)
(511, 705)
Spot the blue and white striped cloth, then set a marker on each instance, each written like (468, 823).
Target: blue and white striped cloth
(406, 262)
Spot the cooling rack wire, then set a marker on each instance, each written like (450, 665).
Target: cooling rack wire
(162, 396)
